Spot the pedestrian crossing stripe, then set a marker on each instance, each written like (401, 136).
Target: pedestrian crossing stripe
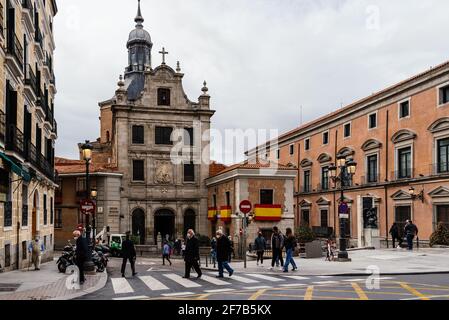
(219, 290)
(257, 288)
(325, 282)
(153, 283)
(186, 283)
(264, 277)
(324, 277)
(240, 279)
(121, 286)
(215, 281)
(177, 294)
(293, 285)
(297, 277)
(132, 298)
(354, 280)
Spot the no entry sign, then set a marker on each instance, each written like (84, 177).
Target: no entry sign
(245, 206)
(87, 207)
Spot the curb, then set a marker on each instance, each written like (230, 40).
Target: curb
(101, 283)
(349, 274)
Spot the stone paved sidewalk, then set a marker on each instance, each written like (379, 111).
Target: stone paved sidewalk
(46, 284)
(386, 261)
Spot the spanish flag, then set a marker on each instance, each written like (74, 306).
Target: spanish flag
(265, 212)
(212, 213)
(225, 214)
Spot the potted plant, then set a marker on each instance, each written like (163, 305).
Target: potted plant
(440, 237)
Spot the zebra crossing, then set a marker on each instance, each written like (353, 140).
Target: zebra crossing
(169, 284)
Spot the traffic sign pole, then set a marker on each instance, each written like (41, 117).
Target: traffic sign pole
(245, 208)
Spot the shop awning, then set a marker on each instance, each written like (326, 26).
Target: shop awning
(16, 168)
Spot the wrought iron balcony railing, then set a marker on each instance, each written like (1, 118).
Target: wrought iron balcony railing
(2, 126)
(30, 79)
(14, 139)
(2, 21)
(15, 48)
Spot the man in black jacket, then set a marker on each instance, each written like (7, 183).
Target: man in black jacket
(223, 253)
(192, 254)
(411, 231)
(81, 253)
(128, 253)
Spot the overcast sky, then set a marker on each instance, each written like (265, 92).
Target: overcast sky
(262, 59)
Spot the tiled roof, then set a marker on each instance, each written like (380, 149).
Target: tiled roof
(215, 168)
(255, 165)
(69, 166)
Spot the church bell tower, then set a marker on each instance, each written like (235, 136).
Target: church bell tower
(139, 47)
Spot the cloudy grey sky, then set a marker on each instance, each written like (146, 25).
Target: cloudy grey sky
(262, 59)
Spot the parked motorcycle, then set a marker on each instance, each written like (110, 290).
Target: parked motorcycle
(67, 258)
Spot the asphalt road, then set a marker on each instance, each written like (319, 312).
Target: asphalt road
(154, 282)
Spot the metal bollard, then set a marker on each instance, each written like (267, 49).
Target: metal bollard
(207, 264)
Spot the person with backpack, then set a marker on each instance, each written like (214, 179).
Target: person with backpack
(277, 243)
(290, 245)
(223, 254)
(166, 251)
(260, 245)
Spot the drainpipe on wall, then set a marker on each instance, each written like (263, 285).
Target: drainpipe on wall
(298, 211)
(335, 199)
(386, 175)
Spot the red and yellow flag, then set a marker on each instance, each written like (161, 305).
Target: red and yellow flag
(265, 212)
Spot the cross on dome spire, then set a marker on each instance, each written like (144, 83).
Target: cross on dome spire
(163, 52)
(139, 18)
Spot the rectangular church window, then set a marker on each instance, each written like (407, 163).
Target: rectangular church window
(163, 97)
(138, 135)
(163, 135)
(138, 170)
(189, 172)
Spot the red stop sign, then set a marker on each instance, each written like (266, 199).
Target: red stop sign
(245, 206)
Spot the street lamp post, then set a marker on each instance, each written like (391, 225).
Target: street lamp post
(344, 177)
(87, 157)
(93, 195)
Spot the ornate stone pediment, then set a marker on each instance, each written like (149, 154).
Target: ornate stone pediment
(324, 157)
(371, 144)
(306, 163)
(346, 152)
(322, 201)
(401, 195)
(305, 203)
(440, 192)
(439, 125)
(164, 173)
(403, 135)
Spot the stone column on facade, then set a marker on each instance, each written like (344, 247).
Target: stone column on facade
(179, 220)
(150, 224)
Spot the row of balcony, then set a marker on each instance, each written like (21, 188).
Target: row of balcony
(436, 169)
(17, 142)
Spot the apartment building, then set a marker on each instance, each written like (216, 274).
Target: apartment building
(27, 129)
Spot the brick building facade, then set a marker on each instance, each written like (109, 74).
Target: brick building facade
(399, 138)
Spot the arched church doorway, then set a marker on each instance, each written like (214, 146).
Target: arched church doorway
(189, 221)
(164, 223)
(138, 224)
(34, 214)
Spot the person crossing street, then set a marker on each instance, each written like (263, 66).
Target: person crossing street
(224, 250)
(128, 254)
(277, 243)
(192, 255)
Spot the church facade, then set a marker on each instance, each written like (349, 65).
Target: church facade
(155, 135)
